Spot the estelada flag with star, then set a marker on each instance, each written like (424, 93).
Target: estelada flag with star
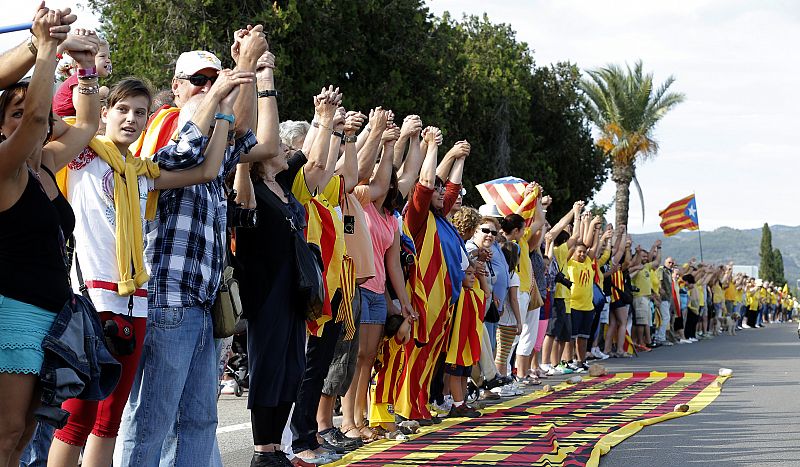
(508, 194)
(680, 215)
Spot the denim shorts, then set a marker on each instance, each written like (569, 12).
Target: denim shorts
(23, 327)
(373, 307)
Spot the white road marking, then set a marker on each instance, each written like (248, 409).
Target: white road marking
(232, 428)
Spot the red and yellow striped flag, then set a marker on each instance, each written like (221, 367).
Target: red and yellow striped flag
(161, 128)
(464, 347)
(680, 215)
(508, 194)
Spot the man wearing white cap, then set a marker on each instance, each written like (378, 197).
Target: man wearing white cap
(171, 416)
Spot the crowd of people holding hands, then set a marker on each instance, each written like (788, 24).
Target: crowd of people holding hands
(144, 202)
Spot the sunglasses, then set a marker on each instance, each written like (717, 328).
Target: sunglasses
(488, 231)
(439, 188)
(198, 80)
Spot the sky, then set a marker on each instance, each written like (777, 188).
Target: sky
(730, 143)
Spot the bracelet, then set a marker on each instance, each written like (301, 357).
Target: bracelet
(32, 47)
(89, 89)
(317, 124)
(90, 80)
(338, 134)
(268, 93)
(228, 118)
(90, 72)
(350, 138)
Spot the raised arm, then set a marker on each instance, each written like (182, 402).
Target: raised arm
(409, 170)
(223, 93)
(411, 125)
(655, 254)
(368, 152)
(379, 184)
(458, 154)
(83, 47)
(348, 167)
(16, 62)
(246, 51)
(427, 175)
(316, 169)
(445, 168)
(267, 132)
(577, 228)
(561, 224)
(27, 139)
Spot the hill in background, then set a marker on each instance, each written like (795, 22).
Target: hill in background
(726, 244)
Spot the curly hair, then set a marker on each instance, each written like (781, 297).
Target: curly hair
(466, 220)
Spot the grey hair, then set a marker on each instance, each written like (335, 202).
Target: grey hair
(188, 109)
(293, 129)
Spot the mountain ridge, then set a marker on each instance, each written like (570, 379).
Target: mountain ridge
(725, 244)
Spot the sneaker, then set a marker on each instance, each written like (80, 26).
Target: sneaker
(584, 367)
(463, 411)
(445, 406)
(746, 326)
(562, 370)
(693, 339)
(575, 367)
(599, 353)
(667, 343)
(495, 382)
(545, 367)
(684, 341)
(488, 395)
(506, 391)
(228, 387)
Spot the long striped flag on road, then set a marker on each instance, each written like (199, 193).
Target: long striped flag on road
(508, 194)
(680, 215)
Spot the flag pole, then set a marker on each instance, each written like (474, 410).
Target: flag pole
(699, 236)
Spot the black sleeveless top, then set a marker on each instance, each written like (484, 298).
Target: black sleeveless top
(33, 265)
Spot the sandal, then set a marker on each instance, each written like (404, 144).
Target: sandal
(368, 434)
(348, 429)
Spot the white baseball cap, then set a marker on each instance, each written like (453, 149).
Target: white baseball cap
(489, 210)
(190, 63)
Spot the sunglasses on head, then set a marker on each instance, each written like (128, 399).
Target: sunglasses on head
(198, 80)
(488, 231)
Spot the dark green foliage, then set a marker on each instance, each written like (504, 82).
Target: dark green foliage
(771, 268)
(471, 78)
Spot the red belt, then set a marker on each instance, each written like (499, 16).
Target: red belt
(112, 286)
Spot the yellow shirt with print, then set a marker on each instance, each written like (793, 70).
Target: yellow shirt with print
(731, 293)
(582, 276)
(329, 197)
(561, 253)
(643, 282)
(718, 295)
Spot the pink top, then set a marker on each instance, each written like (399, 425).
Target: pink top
(382, 230)
(62, 100)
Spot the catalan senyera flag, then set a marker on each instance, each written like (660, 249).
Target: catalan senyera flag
(508, 194)
(464, 347)
(680, 215)
(160, 129)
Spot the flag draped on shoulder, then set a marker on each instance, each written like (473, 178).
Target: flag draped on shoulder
(680, 215)
(508, 194)
(160, 129)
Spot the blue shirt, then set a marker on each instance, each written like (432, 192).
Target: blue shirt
(500, 268)
(186, 245)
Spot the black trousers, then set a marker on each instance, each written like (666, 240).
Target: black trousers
(319, 356)
(437, 381)
(268, 423)
(690, 329)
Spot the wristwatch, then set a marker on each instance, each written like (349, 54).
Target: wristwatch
(350, 138)
(229, 118)
(32, 46)
(268, 93)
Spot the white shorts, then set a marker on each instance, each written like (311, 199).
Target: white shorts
(530, 330)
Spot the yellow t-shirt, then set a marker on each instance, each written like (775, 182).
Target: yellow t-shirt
(655, 282)
(642, 281)
(731, 293)
(752, 301)
(582, 277)
(719, 295)
(701, 294)
(603, 259)
(525, 269)
(561, 253)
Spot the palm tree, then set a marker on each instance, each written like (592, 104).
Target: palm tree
(625, 107)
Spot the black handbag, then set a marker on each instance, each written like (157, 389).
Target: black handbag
(492, 314)
(308, 262)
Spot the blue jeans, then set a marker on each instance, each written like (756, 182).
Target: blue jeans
(35, 453)
(373, 307)
(492, 328)
(172, 411)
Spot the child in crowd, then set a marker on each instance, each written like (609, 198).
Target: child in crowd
(388, 371)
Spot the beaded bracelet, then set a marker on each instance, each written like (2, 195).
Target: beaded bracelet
(89, 89)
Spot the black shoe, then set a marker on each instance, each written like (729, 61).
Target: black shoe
(356, 442)
(495, 382)
(436, 420)
(270, 459)
(334, 440)
(463, 411)
(424, 421)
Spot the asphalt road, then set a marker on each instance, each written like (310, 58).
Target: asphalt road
(754, 421)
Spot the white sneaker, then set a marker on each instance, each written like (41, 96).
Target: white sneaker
(507, 391)
(684, 341)
(693, 339)
(228, 387)
(546, 367)
(599, 353)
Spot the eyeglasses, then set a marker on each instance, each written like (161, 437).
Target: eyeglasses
(198, 80)
(439, 188)
(488, 231)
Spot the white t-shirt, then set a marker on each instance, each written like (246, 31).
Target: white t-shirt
(90, 191)
(508, 318)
